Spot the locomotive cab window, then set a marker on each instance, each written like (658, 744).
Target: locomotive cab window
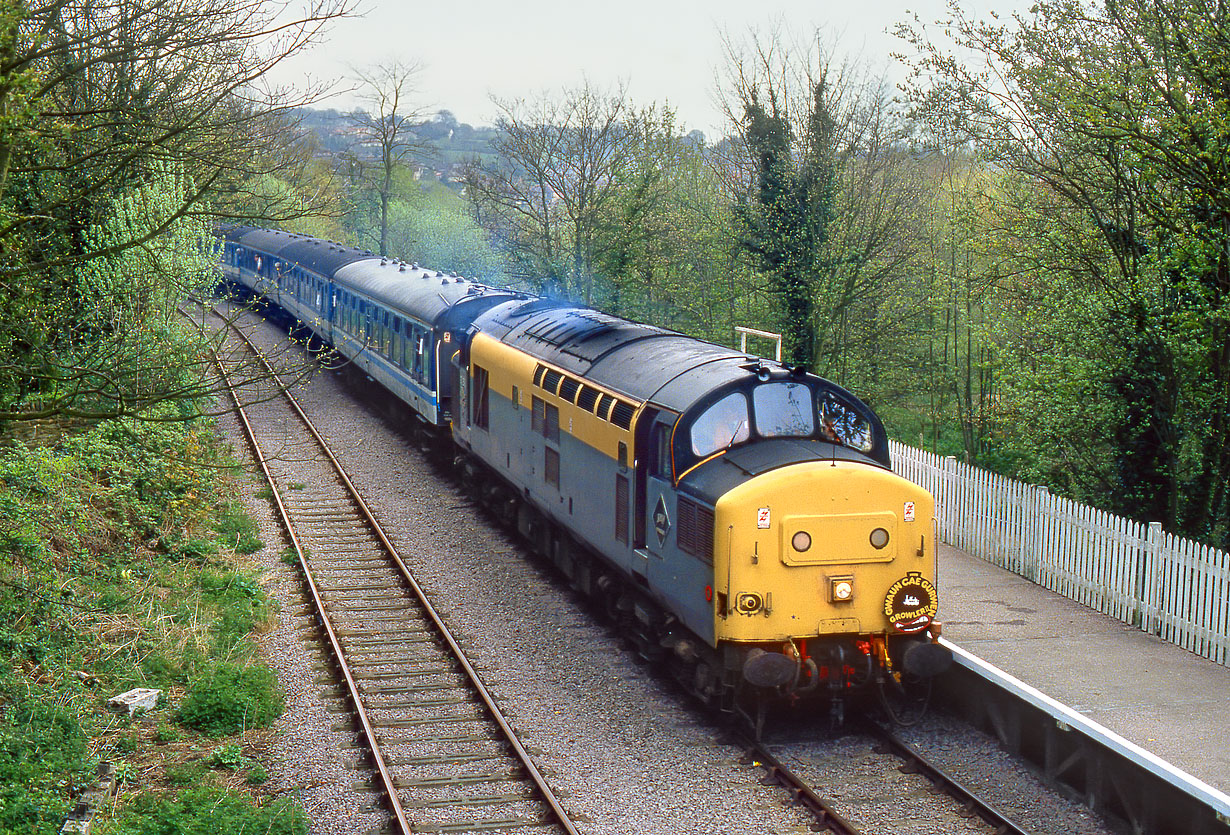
(481, 399)
(784, 410)
(660, 451)
(722, 425)
(841, 423)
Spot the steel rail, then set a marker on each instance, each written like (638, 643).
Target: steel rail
(383, 771)
(531, 769)
(916, 763)
(826, 816)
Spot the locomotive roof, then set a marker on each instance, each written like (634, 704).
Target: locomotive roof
(319, 256)
(641, 361)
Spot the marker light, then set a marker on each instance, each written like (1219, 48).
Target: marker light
(841, 589)
(879, 538)
(801, 541)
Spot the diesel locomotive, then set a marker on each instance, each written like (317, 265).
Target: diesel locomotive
(737, 518)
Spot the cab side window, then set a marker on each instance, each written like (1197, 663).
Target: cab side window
(660, 451)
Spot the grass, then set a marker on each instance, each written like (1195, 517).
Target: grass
(121, 566)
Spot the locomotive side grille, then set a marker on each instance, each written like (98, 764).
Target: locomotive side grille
(568, 389)
(550, 380)
(621, 415)
(695, 533)
(588, 398)
(550, 469)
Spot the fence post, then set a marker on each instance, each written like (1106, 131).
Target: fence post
(1154, 572)
(950, 500)
(1033, 569)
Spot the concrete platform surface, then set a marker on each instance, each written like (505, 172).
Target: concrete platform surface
(1163, 698)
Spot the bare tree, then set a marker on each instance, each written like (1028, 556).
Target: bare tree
(386, 123)
(561, 163)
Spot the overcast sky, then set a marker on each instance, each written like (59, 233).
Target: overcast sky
(666, 51)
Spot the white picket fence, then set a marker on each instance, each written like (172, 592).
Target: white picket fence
(1168, 586)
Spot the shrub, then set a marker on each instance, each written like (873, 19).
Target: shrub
(42, 749)
(165, 733)
(229, 757)
(228, 698)
(210, 811)
(185, 774)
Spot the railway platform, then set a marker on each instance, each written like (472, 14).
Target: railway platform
(1169, 701)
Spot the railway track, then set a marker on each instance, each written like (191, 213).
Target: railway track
(429, 783)
(826, 812)
(443, 756)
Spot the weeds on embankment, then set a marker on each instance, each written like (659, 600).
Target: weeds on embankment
(119, 568)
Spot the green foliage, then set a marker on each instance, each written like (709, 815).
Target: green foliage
(43, 755)
(227, 698)
(443, 239)
(165, 733)
(238, 528)
(785, 226)
(111, 341)
(95, 532)
(1112, 119)
(186, 774)
(229, 757)
(208, 811)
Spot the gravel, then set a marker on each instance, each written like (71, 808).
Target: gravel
(626, 750)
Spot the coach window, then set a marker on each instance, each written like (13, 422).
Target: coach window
(418, 354)
(722, 425)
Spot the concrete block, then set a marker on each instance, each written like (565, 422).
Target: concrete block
(143, 698)
(76, 826)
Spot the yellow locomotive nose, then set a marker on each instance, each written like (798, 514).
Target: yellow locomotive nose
(826, 548)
